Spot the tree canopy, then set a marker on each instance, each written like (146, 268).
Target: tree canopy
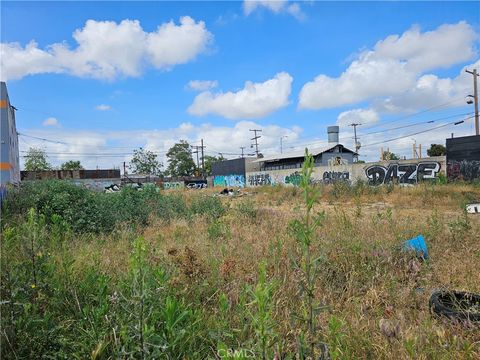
(145, 162)
(180, 161)
(36, 160)
(387, 155)
(71, 165)
(209, 160)
(436, 150)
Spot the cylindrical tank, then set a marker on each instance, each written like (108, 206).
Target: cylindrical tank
(333, 134)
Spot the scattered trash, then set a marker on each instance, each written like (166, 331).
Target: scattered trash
(227, 192)
(112, 188)
(418, 245)
(473, 208)
(231, 192)
(456, 305)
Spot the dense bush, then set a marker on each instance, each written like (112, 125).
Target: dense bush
(87, 211)
(207, 205)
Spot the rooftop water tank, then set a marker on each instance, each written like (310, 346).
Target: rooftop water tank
(333, 134)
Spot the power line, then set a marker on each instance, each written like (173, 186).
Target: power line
(43, 139)
(418, 112)
(420, 132)
(71, 144)
(415, 124)
(396, 119)
(390, 129)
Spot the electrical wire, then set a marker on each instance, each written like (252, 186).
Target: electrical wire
(415, 124)
(387, 130)
(419, 132)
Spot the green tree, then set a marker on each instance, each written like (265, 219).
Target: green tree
(71, 165)
(436, 150)
(180, 161)
(387, 155)
(145, 162)
(209, 160)
(36, 160)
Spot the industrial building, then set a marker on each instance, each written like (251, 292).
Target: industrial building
(332, 154)
(9, 162)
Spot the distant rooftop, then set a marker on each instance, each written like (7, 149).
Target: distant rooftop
(301, 153)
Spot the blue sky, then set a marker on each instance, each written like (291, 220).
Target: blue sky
(93, 100)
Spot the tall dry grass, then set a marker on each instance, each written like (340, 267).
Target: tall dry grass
(373, 296)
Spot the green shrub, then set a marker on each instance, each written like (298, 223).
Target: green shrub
(247, 209)
(207, 205)
(86, 211)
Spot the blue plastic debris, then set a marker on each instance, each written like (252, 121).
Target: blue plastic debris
(418, 245)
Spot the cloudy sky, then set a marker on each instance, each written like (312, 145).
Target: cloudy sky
(100, 79)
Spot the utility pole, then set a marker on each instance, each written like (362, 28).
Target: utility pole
(203, 160)
(281, 143)
(196, 152)
(357, 146)
(475, 98)
(242, 147)
(124, 169)
(255, 138)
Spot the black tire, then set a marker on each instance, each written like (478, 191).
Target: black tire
(456, 305)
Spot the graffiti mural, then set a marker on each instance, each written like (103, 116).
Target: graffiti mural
(330, 177)
(196, 184)
(229, 181)
(259, 180)
(293, 179)
(171, 185)
(94, 184)
(467, 170)
(402, 173)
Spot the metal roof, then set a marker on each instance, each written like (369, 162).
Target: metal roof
(301, 153)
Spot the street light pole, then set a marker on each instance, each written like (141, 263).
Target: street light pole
(475, 98)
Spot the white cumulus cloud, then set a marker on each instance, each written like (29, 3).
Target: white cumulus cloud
(202, 85)
(430, 91)
(255, 100)
(393, 67)
(103, 107)
(276, 6)
(106, 50)
(51, 121)
(358, 116)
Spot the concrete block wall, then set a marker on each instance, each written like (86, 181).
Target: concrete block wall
(375, 173)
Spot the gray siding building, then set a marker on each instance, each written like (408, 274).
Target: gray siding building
(9, 162)
(333, 154)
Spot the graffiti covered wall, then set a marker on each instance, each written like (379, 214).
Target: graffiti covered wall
(196, 184)
(463, 158)
(402, 173)
(321, 174)
(405, 172)
(171, 185)
(467, 170)
(95, 184)
(229, 181)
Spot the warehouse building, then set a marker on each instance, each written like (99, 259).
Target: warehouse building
(331, 154)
